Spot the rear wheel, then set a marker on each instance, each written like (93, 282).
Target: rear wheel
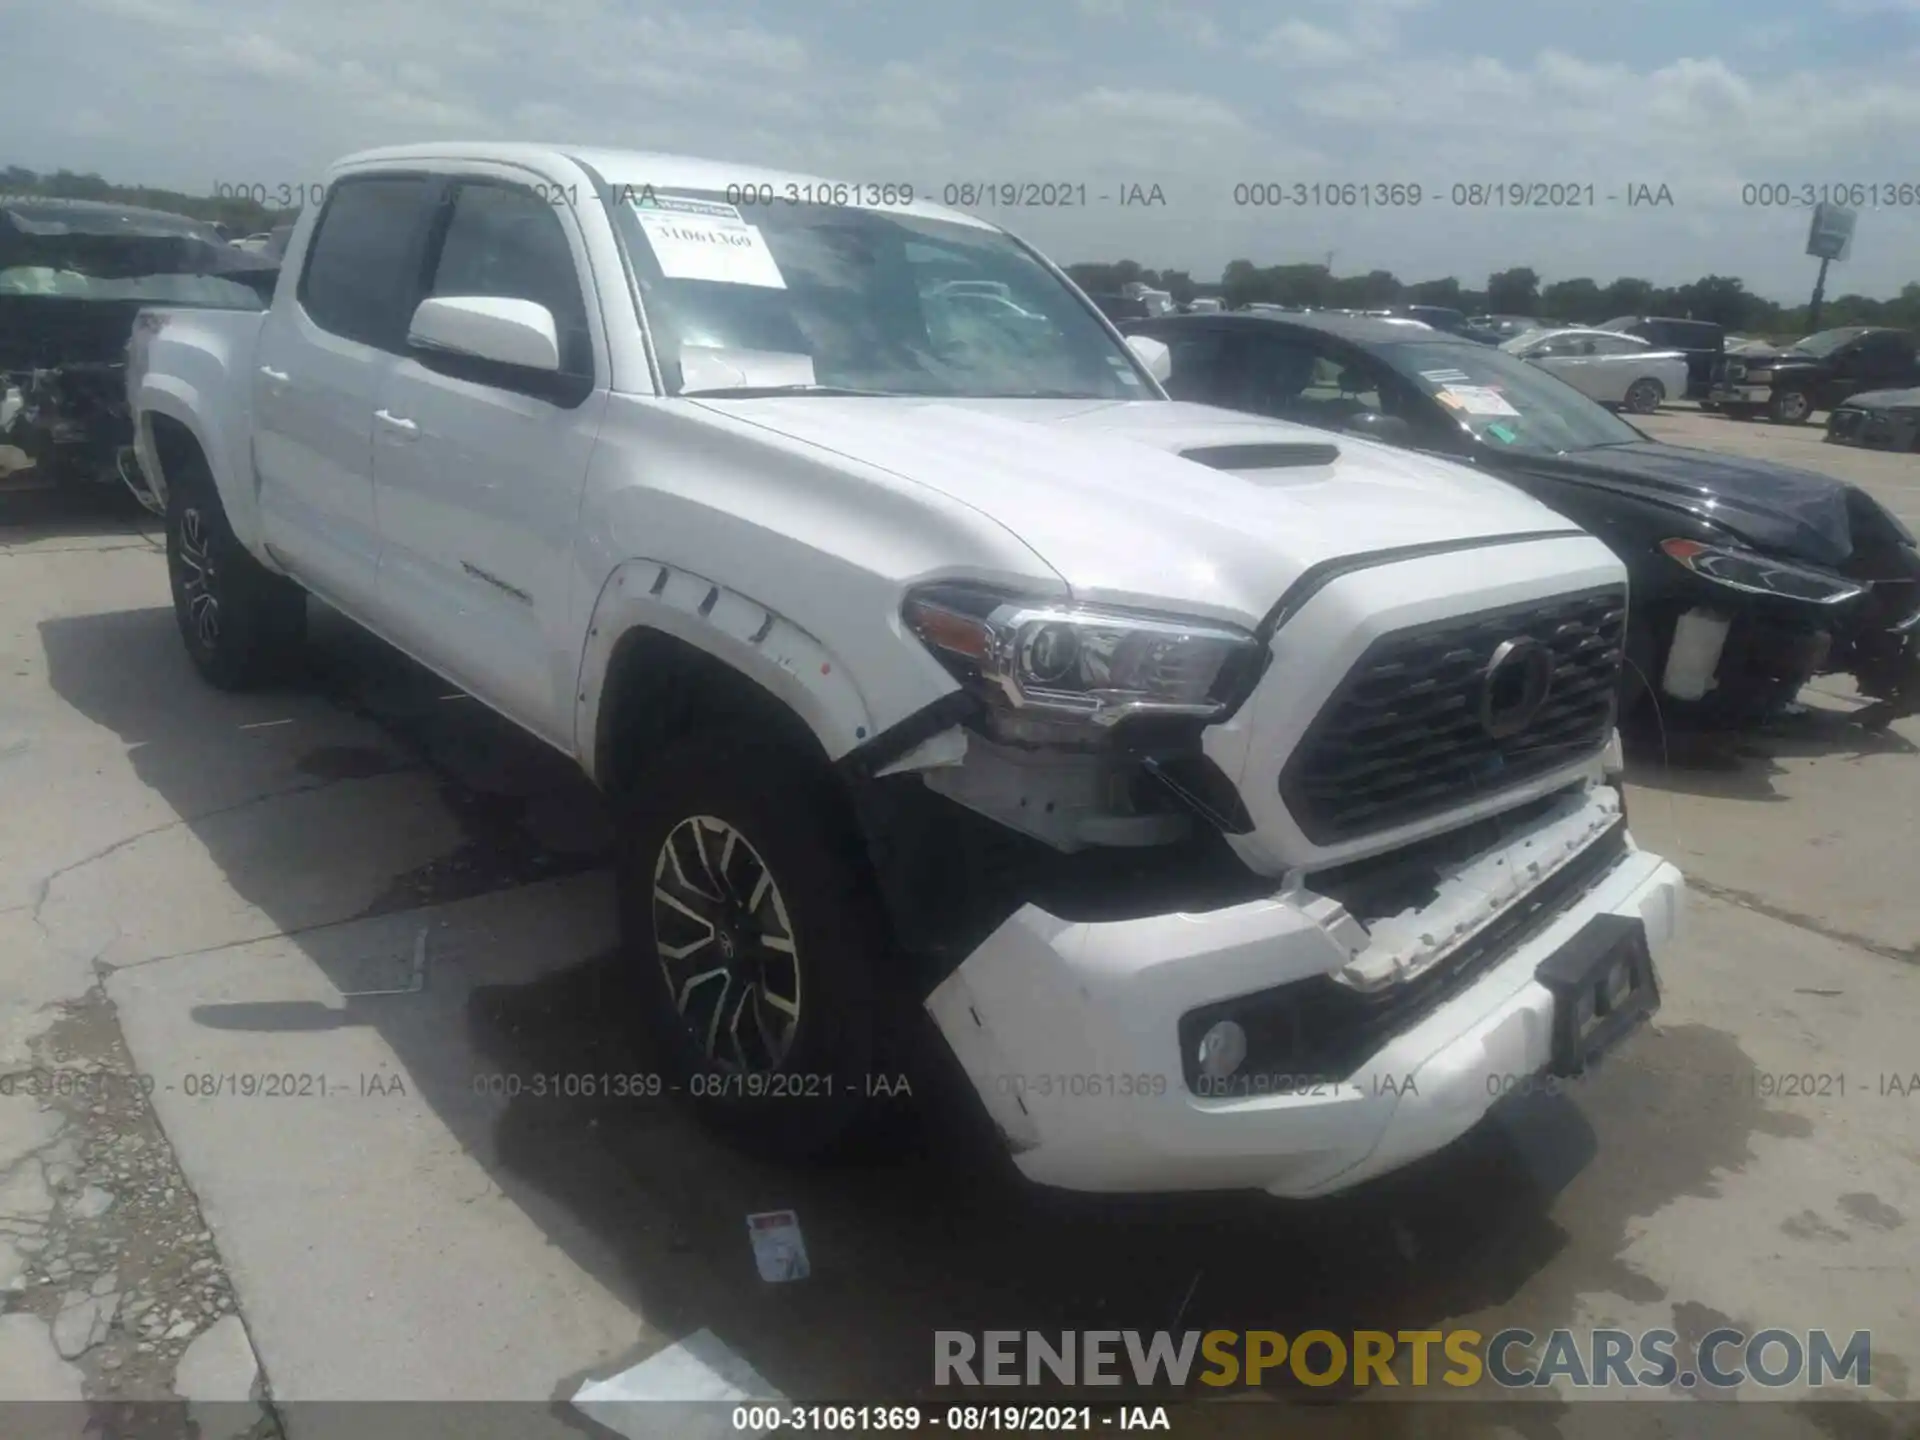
(1644, 396)
(755, 945)
(242, 624)
(1790, 407)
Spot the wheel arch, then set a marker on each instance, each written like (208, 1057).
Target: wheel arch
(172, 415)
(668, 651)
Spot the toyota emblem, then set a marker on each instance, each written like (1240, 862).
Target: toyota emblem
(1515, 686)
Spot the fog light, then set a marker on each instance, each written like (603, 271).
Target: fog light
(1222, 1049)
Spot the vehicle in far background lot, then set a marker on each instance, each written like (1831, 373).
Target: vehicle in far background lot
(1877, 420)
(73, 274)
(1122, 307)
(942, 675)
(1816, 373)
(1439, 317)
(1748, 577)
(1701, 341)
(1496, 329)
(1612, 368)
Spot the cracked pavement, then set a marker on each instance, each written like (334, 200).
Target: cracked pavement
(252, 1159)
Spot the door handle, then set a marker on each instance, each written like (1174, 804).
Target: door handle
(402, 429)
(278, 377)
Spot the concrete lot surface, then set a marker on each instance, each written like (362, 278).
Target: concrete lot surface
(376, 892)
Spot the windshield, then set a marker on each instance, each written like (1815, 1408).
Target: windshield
(1827, 341)
(211, 291)
(791, 296)
(1508, 403)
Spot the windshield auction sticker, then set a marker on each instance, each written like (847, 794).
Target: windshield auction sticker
(706, 240)
(1476, 400)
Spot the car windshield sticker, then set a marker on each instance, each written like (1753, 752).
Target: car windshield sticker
(1476, 400)
(705, 245)
(1502, 434)
(1446, 377)
(1124, 371)
(650, 202)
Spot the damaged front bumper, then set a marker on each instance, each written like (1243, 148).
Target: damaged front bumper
(71, 421)
(1366, 1045)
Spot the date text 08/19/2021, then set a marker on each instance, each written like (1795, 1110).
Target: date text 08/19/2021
(959, 1419)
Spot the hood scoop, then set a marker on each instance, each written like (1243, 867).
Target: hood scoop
(1237, 458)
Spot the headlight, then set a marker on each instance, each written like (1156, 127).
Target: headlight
(1759, 575)
(1086, 662)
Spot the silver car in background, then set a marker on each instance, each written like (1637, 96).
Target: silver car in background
(1607, 366)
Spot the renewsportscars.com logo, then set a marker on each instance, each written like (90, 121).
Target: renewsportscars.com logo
(1511, 1359)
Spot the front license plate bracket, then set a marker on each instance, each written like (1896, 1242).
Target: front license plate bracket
(1604, 984)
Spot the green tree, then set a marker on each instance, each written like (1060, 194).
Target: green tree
(1514, 292)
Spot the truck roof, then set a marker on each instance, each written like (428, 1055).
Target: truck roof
(640, 168)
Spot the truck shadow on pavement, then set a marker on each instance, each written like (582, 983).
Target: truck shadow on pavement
(1533, 1209)
(33, 510)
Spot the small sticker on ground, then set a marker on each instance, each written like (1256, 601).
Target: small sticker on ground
(778, 1248)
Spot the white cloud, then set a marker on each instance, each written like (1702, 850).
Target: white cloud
(1301, 44)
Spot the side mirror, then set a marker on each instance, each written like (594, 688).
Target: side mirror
(520, 333)
(1387, 429)
(1154, 354)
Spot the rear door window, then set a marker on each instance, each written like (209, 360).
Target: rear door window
(356, 278)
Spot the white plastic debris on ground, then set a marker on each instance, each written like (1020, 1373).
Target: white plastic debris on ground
(687, 1391)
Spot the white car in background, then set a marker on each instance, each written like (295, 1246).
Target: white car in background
(1604, 365)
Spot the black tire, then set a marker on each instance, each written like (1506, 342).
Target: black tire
(243, 625)
(1790, 407)
(1644, 396)
(815, 1097)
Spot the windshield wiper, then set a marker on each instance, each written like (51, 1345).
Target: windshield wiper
(759, 392)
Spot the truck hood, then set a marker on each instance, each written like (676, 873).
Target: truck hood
(1105, 493)
(1776, 508)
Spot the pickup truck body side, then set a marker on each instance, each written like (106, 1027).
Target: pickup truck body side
(496, 537)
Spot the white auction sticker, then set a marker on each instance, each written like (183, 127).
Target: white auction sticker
(1476, 400)
(779, 1252)
(709, 246)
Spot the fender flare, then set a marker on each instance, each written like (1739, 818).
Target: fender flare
(182, 402)
(748, 637)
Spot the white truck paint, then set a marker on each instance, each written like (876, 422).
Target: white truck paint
(1015, 581)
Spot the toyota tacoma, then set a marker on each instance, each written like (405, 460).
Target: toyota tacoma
(1241, 807)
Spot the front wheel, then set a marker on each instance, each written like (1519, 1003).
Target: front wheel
(1790, 407)
(242, 624)
(755, 945)
(1644, 396)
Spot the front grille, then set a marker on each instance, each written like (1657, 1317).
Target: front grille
(1401, 739)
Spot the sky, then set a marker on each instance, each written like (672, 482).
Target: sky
(1703, 97)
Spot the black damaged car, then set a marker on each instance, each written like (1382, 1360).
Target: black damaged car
(73, 274)
(1748, 578)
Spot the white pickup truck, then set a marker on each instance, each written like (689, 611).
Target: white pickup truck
(1241, 806)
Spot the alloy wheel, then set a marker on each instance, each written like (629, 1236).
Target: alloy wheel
(726, 945)
(197, 586)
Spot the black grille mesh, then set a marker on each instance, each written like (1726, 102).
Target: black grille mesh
(1401, 738)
